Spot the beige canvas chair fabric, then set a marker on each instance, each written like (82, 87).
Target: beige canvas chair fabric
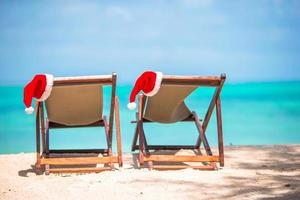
(79, 104)
(168, 106)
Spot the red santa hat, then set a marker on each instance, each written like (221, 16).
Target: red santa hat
(40, 88)
(149, 83)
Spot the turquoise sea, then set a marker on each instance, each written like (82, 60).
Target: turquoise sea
(253, 114)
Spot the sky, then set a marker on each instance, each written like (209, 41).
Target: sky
(257, 40)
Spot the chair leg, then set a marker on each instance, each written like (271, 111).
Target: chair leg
(140, 139)
(220, 132)
(108, 140)
(38, 153)
(135, 138)
(47, 154)
(47, 138)
(145, 140)
(110, 153)
(141, 101)
(43, 127)
(47, 169)
(146, 149)
(202, 134)
(141, 145)
(106, 128)
(118, 132)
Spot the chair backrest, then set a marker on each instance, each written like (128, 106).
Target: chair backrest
(77, 100)
(168, 105)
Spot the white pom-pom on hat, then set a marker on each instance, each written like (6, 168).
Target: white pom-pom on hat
(131, 106)
(29, 110)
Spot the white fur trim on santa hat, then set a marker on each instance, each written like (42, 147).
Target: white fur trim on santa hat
(158, 80)
(131, 106)
(29, 110)
(48, 89)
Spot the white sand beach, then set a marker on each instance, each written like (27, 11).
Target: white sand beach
(250, 172)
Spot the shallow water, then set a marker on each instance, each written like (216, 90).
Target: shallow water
(253, 114)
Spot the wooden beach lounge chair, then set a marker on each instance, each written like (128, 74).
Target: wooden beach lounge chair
(168, 106)
(78, 102)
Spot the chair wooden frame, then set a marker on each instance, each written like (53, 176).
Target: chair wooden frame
(145, 155)
(43, 126)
